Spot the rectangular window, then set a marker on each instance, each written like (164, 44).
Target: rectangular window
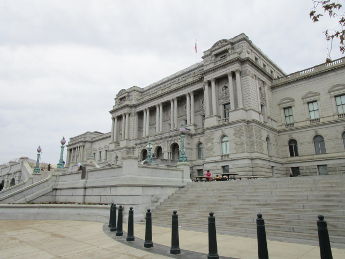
(100, 156)
(105, 154)
(200, 172)
(94, 156)
(295, 171)
(226, 109)
(313, 108)
(340, 102)
(322, 169)
(288, 115)
(225, 169)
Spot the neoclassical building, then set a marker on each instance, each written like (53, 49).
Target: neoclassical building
(243, 114)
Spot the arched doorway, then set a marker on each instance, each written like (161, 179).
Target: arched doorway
(2, 185)
(143, 154)
(174, 149)
(159, 152)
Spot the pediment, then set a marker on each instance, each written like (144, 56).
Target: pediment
(337, 88)
(310, 94)
(122, 91)
(220, 43)
(286, 100)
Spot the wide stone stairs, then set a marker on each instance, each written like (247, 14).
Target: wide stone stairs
(290, 207)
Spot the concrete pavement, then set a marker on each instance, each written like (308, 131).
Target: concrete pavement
(82, 239)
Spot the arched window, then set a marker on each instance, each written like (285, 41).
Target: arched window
(319, 144)
(268, 144)
(200, 150)
(293, 149)
(225, 145)
(343, 136)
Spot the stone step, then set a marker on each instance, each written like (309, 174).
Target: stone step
(289, 206)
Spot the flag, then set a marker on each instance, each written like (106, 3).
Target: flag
(196, 47)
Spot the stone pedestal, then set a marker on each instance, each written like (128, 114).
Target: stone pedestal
(211, 121)
(185, 166)
(124, 143)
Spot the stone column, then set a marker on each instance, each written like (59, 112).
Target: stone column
(123, 126)
(112, 128)
(148, 122)
(67, 157)
(231, 92)
(161, 117)
(239, 89)
(188, 108)
(171, 114)
(127, 126)
(144, 123)
(175, 113)
(115, 129)
(157, 118)
(135, 126)
(192, 108)
(258, 93)
(214, 98)
(206, 100)
(82, 153)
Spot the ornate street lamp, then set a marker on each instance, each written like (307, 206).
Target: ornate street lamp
(61, 163)
(37, 167)
(149, 153)
(182, 151)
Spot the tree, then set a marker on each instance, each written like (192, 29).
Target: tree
(335, 11)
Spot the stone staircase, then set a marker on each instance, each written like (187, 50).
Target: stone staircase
(290, 207)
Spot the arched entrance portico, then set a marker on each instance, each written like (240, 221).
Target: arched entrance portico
(159, 152)
(174, 152)
(143, 155)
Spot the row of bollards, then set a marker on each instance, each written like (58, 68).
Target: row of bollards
(324, 243)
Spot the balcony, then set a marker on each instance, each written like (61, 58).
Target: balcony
(341, 115)
(226, 156)
(289, 125)
(313, 121)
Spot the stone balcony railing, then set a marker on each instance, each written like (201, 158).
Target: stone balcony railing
(309, 71)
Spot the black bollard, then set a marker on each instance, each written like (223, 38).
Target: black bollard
(111, 214)
(325, 246)
(148, 230)
(261, 234)
(212, 237)
(119, 231)
(130, 233)
(112, 221)
(175, 243)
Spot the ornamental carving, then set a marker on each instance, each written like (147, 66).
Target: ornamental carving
(220, 43)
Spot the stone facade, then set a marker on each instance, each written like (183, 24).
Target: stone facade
(243, 115)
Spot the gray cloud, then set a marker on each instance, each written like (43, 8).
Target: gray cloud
(62, 62)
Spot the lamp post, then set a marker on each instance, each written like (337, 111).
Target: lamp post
(61, 163)
(182, 151)
(37, 167)
(149, 153)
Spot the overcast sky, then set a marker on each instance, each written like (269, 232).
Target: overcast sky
(62, 62)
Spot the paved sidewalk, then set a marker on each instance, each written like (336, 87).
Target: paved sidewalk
(81, 239)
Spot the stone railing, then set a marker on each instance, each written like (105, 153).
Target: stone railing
(310, 71)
